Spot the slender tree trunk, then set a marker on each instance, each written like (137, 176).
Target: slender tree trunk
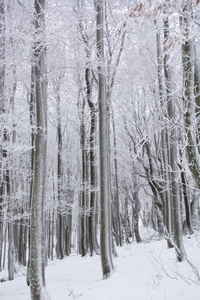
(92, 154)
(2, 110)
(83, 240)
(93, 183)
(37, 223)
(165, 143)
(60, 212)
(188, 97)
(126, 222)
(116, 193)
(136, 208)
(174, 173)
(104, 151)
(197, 97)
(32, 108)
(187, 203)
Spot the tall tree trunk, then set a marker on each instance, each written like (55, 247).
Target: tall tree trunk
(187, 202)
(83, 237)
(92, 155)
(174, 170)
(32, 109)
(165, 144)
(60, 252)
(37, 225)
(118, 226)
(2, 110)
(188, 97)
(197, 97)
(136, 209)
(104, 151)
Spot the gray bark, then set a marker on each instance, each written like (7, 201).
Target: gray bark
(174, 170)
(37, 225)
(197, 97)
(104, 151)
(2, 102)
(136, 209)
(165, 143)
(117, 217)
(188, 97)
(60, 252)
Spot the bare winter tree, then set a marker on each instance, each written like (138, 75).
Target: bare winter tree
(104, 152)
(37, 263)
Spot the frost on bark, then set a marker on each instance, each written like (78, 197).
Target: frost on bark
(164, 143)
(93, 214)
(37, 263)
(60, 252)
(173, 157)
(105, 200)
(189, 80)
(2, 101)
(5, 181)
(197, 96)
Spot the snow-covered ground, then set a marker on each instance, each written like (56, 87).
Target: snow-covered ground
(146, 271)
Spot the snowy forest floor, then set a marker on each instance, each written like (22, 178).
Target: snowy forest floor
(145, 271)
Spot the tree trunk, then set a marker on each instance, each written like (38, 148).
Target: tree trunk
(165, 144)
(37, 225)
(188, 98)
(197, 97)
(136, 209)
(60, 252)
(104, 151)
(83, 240)
(118, 229)
(174, 171)
(187, 202)
(93, 182)
(2, 110)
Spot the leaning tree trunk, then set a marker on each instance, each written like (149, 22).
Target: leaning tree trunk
(105, 181)
(37, 261)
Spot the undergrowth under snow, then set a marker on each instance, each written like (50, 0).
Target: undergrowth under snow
(143, 271)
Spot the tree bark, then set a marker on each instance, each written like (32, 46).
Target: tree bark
(37, 225)
(188, 98)
(165, 144)
(60, 252)
(104, 151)
(2, 110)
(174, 170)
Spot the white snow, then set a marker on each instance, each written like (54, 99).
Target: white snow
(146, 271)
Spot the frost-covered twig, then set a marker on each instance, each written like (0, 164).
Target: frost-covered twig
(163, 269)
